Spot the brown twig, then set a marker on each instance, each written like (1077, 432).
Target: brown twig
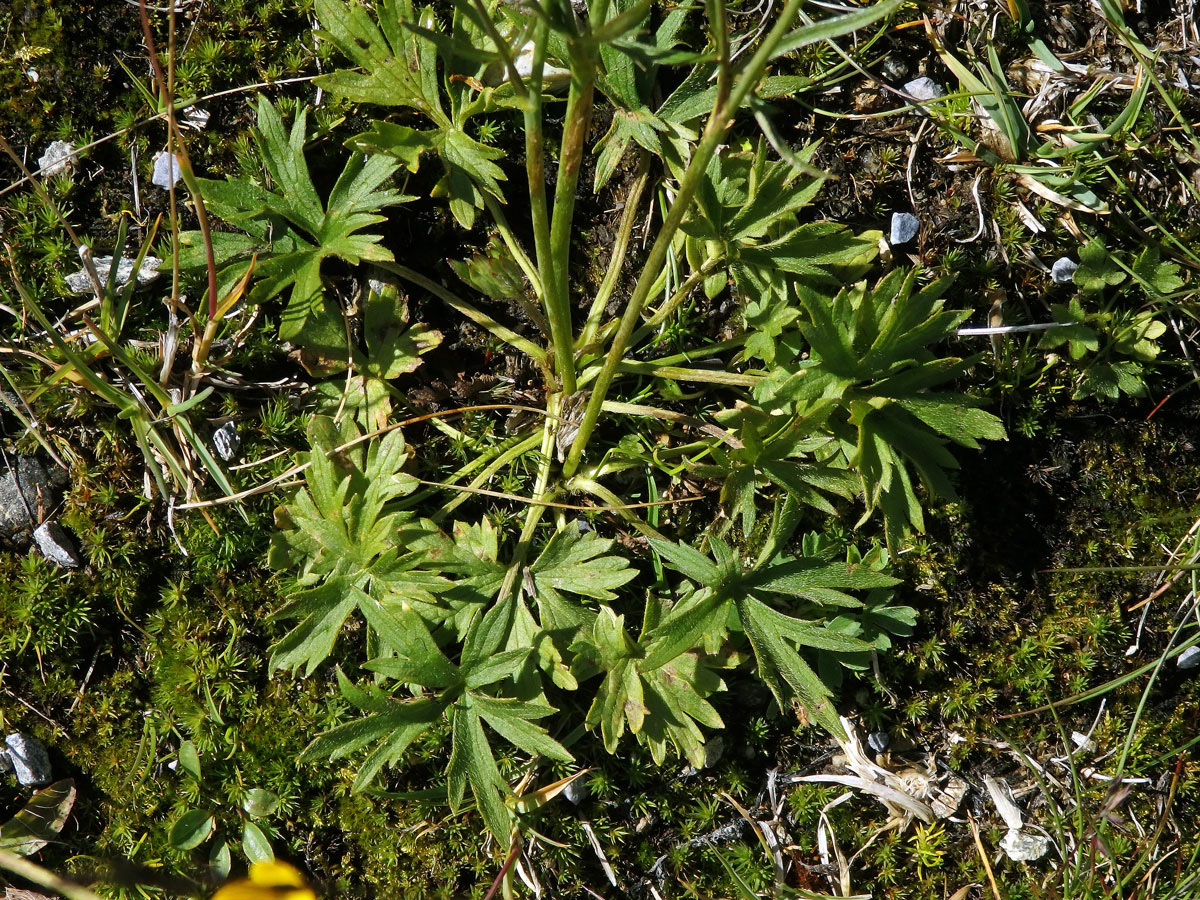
(185, 163)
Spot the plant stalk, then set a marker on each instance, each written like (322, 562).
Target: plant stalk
(714, 133)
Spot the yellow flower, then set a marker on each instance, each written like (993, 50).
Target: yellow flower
(268, 881)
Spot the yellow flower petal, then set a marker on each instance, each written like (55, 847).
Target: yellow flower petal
(268, 881)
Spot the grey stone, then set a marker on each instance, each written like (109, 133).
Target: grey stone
(57, 546)
(893, 68)
(1189, 658)
(1063, 270)
(57, 158)
(24, 486)
(878, 741)
(30, 762)
(924, 88)
(227, 442)
(904, 228)
(79, 283)
(577, 791)
(1024, 846)
(166, 170)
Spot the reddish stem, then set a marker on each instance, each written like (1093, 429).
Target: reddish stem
(185, 162)
(512, 858)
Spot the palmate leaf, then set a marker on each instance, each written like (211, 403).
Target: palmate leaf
(396, 722)
(399, 68)
(661, 702)
(350, 551)
(578, 564)
(294, 232)
(745, 220)
(775, 450)
(873, 377)
(400, 64)
(782, 668)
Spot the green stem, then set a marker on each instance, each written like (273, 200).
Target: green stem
(519, 449)
(584, 60)
(476, 315)
(30, 871)
(707, 350)
(600, 492)
(617, 262)
(535, 167)
(542, 491)
(714, 134)
(510, 241)
(677, 373)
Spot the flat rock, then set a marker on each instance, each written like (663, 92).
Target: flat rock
(57, 158)
(1063, 270)
(57, 545)
(1189, 658)
(904, 228)
(1024, 846)
(166, 170)
(924, 88)
(79, 283)
(29, 760)
(24, 486)
(227, 442)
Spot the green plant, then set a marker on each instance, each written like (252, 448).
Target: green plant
(866, 388)
(196, 826)
(1116, 340)
(290, 231)
(1067, 167)
(177, 452)
(458, 629)
(927, 845)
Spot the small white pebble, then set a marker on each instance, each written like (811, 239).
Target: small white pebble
(226, 442)
(1189, 658)
(166, 170)
(904, 228)
(924, 88)
(57, 158)
(80, 283)
(1063, 270)
(56, 545)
